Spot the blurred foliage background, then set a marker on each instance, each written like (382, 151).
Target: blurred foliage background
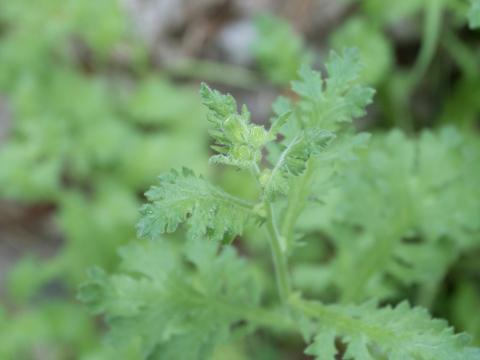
(99, 97)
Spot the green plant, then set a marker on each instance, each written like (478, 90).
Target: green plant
(181, 300)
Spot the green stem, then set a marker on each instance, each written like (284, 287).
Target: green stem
(431, 32)
(427, 293)
(282, 159)
(278, 247)
(462, 54)
(430, 35)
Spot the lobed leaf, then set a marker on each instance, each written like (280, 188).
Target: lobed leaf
(177, 304)
(338, 98)
(319, 124)
(183, 197)
(400, 332)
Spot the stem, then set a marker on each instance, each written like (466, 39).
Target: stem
(278, 248)
(430, 35)
(282, 159)
(427, 293)
(277, 245)
(255, 170)
(431, 31)
(462, 54)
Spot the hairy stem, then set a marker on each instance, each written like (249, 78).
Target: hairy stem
(278, 247)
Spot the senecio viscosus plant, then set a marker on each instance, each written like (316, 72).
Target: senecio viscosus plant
(180, 300)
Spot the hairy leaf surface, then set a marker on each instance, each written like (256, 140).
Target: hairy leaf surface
(184, 197)
(319, 124)
(178, 303)
(400, 333)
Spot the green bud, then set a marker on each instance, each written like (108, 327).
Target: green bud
(258, 136)
(242, 153)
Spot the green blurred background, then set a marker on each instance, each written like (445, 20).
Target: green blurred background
(98, 97)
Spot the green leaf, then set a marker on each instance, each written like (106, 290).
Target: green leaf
(347, 98)
(184, 197)
(400, 332)
(319, 124)
(338, 99)
(310, 85)
(323, 345)
(178, 303)
(358, 349)
(376, 53)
